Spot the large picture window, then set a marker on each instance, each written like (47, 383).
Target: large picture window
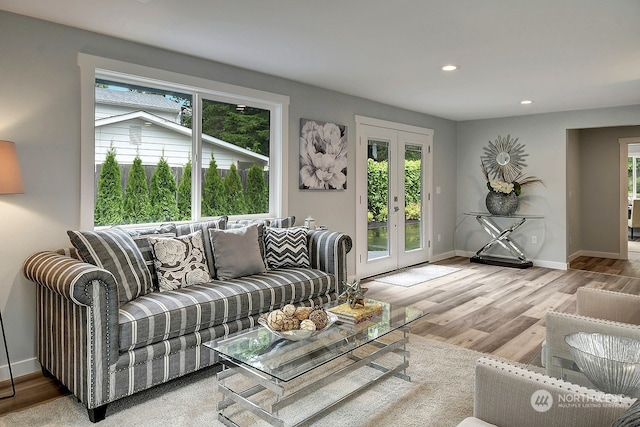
(165, 151)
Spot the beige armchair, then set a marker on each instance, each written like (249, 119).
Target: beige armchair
(605, 312)
(508, 395)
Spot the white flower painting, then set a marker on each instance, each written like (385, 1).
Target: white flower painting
(323, 155)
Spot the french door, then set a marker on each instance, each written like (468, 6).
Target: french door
(394, 196)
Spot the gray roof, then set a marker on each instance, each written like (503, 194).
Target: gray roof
(121, 97)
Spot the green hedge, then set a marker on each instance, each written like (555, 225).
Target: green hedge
(377, 194)
(133, 202)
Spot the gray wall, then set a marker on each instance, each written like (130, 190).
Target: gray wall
(599, 156)
(559, 158)
(40, 112)
(40, 88)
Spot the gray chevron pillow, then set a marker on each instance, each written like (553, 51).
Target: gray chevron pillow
(286, 247)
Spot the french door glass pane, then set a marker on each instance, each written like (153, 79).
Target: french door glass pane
(412, 197)
(377, 199)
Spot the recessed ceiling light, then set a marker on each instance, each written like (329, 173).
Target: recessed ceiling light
(526, 102)
(450, 67)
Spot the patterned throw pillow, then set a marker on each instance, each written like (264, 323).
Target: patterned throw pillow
(180, 261)
(115, 251)
(286, 247)
(191, 227)
(237, 252)
(140, 237)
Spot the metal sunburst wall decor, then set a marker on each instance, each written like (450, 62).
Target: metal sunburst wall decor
(504, 158)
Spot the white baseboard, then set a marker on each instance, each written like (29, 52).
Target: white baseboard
(551, 264)
(20, 368)
(537, 262)
(465, 254)
(440, 257)
(573, 256)
(596, 254)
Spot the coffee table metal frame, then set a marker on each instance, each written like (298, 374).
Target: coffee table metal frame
(351, 337)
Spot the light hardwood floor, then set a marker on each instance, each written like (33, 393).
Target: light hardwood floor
(490, 309)
(498, 310)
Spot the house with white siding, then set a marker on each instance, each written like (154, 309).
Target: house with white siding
(148, 125)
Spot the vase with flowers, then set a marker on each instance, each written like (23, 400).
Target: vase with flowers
(502, 198)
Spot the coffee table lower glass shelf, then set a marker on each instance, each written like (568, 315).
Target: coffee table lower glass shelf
(263, 374)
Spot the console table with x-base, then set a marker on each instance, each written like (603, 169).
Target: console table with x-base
(500, 235)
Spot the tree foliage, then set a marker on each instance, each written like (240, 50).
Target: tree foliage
(247, 128)
(163, 200)
(257, 194)
(234, 193)
(109, 204)
(377, 190)
(184, 193)
(212, 191)
(137, 205)
(163, 193)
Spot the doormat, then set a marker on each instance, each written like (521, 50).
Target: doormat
(414, 276)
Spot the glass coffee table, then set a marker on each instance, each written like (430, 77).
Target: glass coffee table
(256, 361)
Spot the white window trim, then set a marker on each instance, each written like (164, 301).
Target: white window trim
(279, 104)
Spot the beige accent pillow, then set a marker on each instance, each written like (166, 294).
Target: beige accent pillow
(179, 261)
(236, 252)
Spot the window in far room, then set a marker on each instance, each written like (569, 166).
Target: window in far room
(165, 151)
(633, 173)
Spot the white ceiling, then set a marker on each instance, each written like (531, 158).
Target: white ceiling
(563, 54)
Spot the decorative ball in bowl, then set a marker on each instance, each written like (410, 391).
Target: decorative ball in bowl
(611, 363)
(297, 323)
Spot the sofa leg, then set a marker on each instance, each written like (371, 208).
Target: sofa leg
(97, 414)
(46, 373)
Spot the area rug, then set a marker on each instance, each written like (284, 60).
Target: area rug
(417, 275)
(439, 395)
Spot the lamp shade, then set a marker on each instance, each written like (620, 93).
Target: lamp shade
(10, 177)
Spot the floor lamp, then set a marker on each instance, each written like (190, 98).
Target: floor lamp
(10, 183)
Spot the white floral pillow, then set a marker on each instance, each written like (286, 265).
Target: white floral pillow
(179, 261)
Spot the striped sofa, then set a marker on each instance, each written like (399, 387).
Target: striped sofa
(103, 350)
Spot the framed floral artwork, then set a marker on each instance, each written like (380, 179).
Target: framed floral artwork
(323, 155)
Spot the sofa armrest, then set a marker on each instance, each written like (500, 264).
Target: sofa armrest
(77, 311)
(506, 394)
(558, 325)
(603, 304)
(68, 277)
(328, 252)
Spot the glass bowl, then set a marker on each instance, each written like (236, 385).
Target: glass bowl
(610, 362)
